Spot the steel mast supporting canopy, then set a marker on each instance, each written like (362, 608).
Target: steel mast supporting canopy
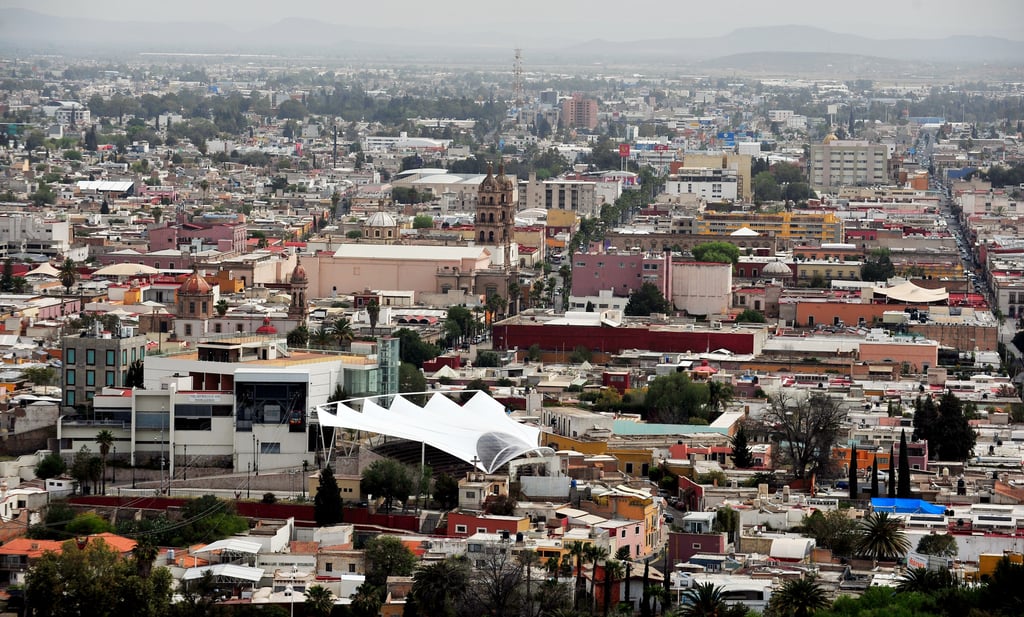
(478, 432)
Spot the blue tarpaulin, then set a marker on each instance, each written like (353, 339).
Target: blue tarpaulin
(905, 506)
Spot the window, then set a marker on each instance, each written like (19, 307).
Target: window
(70, 356)
(111, 357)
(69, 379)
(622, 533)
(629, 467)
(329, 567)
(470, 494)
(90, 378)
(124, 356)
(70, 396)
(481, 530)
(90, 357)
(217, 328)
(191, 307)
(460, 529)
(110, 378)
(270, 447)
(188, 329)
(351, 568)
(695, 545)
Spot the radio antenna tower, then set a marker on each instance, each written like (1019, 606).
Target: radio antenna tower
(517, 70)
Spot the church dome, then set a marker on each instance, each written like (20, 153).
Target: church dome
(381, 219)
(267, 327)
(489, 184)
(194, 285)
(503, 182)
(776, 268)
(299, 273)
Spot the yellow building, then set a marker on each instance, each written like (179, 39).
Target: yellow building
(828, 270)
(794, 227)
(583, 446)
(634, 505)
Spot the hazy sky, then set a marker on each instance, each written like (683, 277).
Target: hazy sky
(580, 20)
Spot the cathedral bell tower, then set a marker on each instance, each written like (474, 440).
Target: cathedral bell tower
(495, 213)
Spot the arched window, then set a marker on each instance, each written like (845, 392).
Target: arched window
(483, 217)
(481, 236)
(491, 217)
(502, 215)
(490, 236)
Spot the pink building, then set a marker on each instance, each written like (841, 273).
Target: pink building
(626, 533)
(227, 237)
(423, 269)
(623, 273)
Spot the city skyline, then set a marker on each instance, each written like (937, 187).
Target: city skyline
(601, 20)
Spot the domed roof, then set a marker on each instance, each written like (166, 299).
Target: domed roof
(503, 182)
(195, 284)
(266, 328)
(381, 219)
(776, 268)
(299, 273)
(489, 184)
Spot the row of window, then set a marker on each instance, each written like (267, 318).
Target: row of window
(110, 356)
(71, 378)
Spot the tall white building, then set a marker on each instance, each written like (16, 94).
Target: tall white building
(837, 163)
(706, 182)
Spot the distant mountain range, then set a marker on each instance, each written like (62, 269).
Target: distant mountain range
(26, 30)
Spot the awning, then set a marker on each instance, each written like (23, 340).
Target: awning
(225, 571)
(231, 545)
(905, 506)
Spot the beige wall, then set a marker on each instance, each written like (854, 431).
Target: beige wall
(351, 274)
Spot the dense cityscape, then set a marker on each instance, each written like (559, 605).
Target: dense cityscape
(533, 331)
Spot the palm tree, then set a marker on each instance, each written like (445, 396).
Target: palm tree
(528, 559)
(924, 580)
(514, 291)
(221, 307)
(613, 571)
(373, 312)
(68, 274)
(579, 551)
(881, 537)
(145, 553)
(437, 588)
(799, 597)
(342, 331)
(719, 395)
(321, 338)
(105, 439)
(702, 600)
(319, 601)
(594, 554)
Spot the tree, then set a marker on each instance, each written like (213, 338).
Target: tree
(105, 439)
(926, 419)
(751, 316)
(646, 300)
(68, 275)
(135, 375)
(953, 438)
(83, 468)
(387, 556)
(319, 601)
(412, 349)
(940, 544)
(373, 313)
(925, 581)
(878, 266)
(439, 588)
(890, 483)
(719, 395)
(495, 589)
(702, 600)
(43, 195)
(221, 307)
(799, 597)
(874, 478)
(299, 337)
(423, 221)
(341, 330)
(903, 475)
(881, 538)
(7, 281)
(741, 455)
(411, 379)
(674, 398)
(327, 504)
(833, 530)
(805, 428)
(854, 493)
(389, 479)
(446, 492)
(471, 389)
(39, 375)
(93, 581)
(50, 466)
(766, 188)
(716, 252)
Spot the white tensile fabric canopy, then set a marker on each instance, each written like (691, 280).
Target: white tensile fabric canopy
(911, 293)
(478, 432)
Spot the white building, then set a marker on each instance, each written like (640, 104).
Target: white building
(705, 182)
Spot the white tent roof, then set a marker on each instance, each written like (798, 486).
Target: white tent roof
(225, 570)
(791, 548)
(744, 232)
(232, 545)
(911, 293)
(125, 269)
(44, 270)
(478, 432)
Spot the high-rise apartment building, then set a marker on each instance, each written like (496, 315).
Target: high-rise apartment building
(578, 112)
(837, 162)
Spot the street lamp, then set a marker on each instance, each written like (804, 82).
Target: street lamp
(113, 468)
(248, 475)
